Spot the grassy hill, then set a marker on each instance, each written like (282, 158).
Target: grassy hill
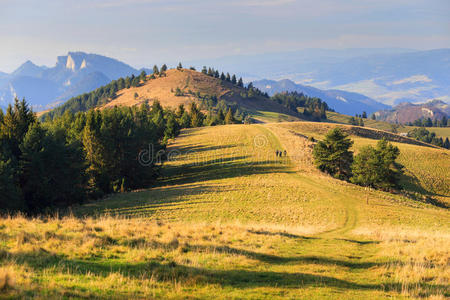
(193, 83)
(230, 219)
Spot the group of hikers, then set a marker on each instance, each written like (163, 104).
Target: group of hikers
(280, 153)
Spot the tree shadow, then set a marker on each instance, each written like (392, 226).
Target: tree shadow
(220, 168)
(411, 186)
(147, 202)
(172, 272)
(280, 233)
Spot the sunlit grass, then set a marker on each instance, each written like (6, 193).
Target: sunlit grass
(229, 219)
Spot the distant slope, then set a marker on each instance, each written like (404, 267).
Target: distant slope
(341, 101)
(408, 112)
(74, 73)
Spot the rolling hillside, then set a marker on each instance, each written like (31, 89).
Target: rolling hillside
(190, 83)
(228, 218)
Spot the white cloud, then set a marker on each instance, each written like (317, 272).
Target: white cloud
(413, 79)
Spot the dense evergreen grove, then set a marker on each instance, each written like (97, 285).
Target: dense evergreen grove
(424, 135)
(372, 167)
(314, 108)
(79, 156)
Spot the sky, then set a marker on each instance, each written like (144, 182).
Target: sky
(144, 32)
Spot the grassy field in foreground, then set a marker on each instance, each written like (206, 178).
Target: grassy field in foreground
(229, 220)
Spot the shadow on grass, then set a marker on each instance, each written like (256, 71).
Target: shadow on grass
(280, 233)
(411, 185)
(162, 198)
(173, 272)
(359, 242)
(222, 168)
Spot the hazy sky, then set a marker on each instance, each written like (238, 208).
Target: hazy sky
(144, 32)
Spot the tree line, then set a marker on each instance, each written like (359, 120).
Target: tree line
(314, 108)
(374, 167)
(81, 156)
(428, 122)
(426, 136)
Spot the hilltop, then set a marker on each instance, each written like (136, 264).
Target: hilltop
(191, 85)
(180, 86)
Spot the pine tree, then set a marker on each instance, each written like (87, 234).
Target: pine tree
(180, 111)
(164, 68)
(332, 155)
(233, 79)
(180, 66)
(376, 167)
(221, 116)
(364, 115)
(446, 143)
(143, 76)
(444, 121)
(228, 78)
(155, 70)
(229, 119)
(204, 70)
(240, 82)
(197, 116)
(222, 76)
(185, 121)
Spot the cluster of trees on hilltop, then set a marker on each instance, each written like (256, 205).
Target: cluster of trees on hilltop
(314, 108)
(373, 166)
(97, 97)
(424, 135)
(79, 156)
(427, 122)
(249, 91)
(215, 73)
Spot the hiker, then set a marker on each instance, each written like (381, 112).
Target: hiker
(284, 153)
(276, 153)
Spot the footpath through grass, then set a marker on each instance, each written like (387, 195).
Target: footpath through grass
(229, 219)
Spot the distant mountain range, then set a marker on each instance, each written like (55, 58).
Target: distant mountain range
(390, 76)
(341, 101)
(407, 112)
(73, 74)
(349, 80)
